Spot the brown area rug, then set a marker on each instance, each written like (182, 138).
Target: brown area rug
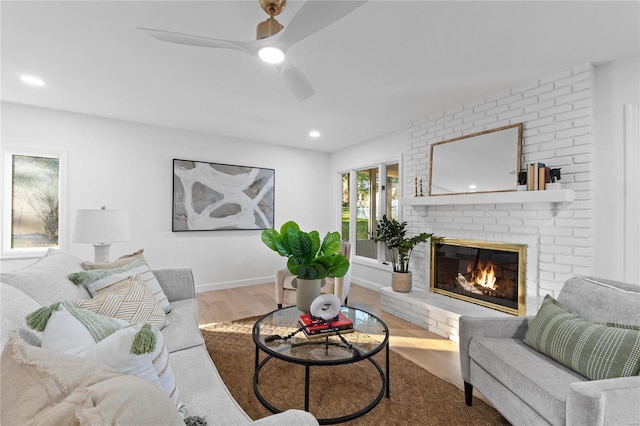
(417, 396)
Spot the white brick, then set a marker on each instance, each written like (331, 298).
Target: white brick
(490, 119)
(565, 152)
(509, 99)
(496, 109)
(556, 126)
(575, 78)
(555, 93)
(511, 114)
(486, 106)
(543, 121)
(575, 96)
(463, 113)
(474, 117)
(581, 86)
(539, 106)
(586, 67)
(538, 89)
(444, 119)
(524, 102)
(557, 112)
(496, 228)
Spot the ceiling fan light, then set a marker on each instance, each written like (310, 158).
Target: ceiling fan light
(271, 55)
(32, 80)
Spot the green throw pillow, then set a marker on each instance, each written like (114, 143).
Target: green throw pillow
(595, 350)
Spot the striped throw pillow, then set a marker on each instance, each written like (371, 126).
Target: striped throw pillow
(88, 334)
(595, 350)
(131, 301)
(100, 280)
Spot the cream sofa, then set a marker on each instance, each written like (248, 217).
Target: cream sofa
(198, 382)
(530, 388)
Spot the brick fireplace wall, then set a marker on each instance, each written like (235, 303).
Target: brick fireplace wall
(557, 112)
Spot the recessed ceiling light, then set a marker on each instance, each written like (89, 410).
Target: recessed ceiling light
(34, 81)
(314, 134)
(271, 55)
(472, 186)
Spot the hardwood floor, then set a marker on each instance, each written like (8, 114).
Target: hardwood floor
(432, 352)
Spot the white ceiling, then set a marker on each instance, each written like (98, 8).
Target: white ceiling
(380, 67)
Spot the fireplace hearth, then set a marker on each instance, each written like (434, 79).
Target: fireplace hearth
(490, 274)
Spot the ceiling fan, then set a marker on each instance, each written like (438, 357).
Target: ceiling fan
(273, 40)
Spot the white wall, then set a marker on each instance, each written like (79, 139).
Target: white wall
(616, 83)
(585, 238)
(129, 166)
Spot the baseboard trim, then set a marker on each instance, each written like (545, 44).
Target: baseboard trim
(232, 284)
(200, 288)
(366, 284)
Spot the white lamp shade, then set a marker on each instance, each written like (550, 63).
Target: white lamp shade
(101, 226)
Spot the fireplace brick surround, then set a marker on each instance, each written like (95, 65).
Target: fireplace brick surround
(557, 112)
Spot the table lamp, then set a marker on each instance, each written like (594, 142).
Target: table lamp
(101, 228)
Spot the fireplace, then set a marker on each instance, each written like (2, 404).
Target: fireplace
(486, 273)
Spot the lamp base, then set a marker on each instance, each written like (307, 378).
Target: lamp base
(102, 252)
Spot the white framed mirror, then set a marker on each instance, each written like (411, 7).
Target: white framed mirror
(487, 161)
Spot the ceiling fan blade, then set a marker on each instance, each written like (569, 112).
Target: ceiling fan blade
(250, 47)
(296, 82)
(312, 17)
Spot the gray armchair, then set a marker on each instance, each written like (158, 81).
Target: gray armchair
(529, 388)
(285, 290)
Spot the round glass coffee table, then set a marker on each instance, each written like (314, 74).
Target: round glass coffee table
(370, 336)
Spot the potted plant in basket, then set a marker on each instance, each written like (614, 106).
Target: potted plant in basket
(310, 259)
(392, 234)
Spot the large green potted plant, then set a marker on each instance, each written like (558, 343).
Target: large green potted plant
(393, 235)
(309, 259)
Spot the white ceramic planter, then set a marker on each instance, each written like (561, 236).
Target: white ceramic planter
(306, 291)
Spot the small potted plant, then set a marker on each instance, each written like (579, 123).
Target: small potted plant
(309, 259)
(392, 234)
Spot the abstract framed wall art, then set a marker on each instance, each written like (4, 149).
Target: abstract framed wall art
(214, 196)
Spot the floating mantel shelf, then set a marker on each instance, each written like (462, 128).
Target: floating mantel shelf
(552, 196)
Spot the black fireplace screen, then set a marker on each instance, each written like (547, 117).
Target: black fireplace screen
(488, 274)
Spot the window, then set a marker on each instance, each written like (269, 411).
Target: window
(32, 185)
(346, 206)
(364, 201)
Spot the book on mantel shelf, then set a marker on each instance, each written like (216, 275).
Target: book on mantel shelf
(314, 327)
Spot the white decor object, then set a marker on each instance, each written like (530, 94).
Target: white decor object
(101, 228)
(555, 186)
(326, 306)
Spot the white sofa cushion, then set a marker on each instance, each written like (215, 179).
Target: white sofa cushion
(15, 305)
(43, 387)
(46, 280)
(79, 332)
(530, 375)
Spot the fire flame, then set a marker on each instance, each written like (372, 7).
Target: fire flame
(485, 275)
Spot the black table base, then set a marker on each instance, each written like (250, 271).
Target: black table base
(384, 389)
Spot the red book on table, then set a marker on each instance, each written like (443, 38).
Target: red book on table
(313, 326)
